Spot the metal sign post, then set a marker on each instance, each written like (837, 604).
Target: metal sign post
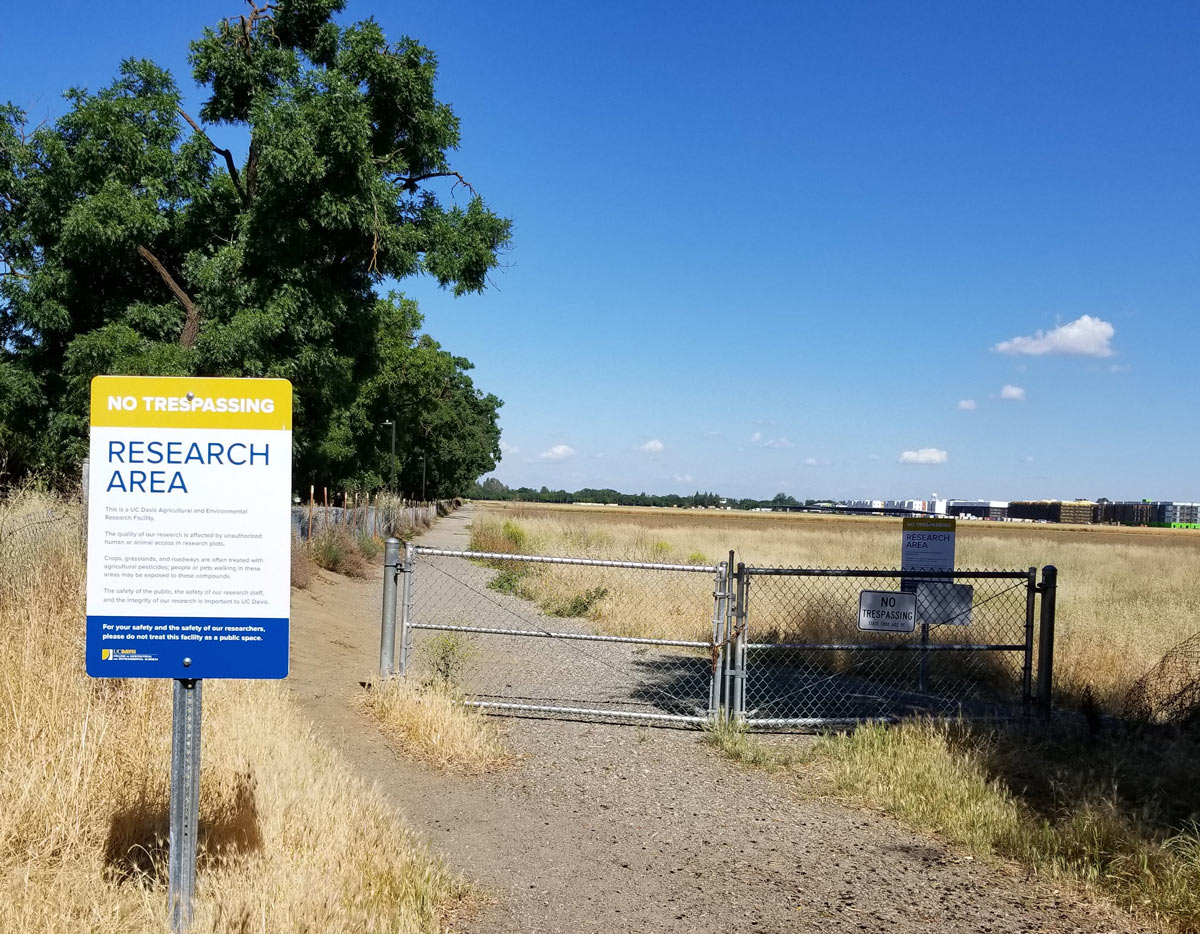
(188, 551)
(185, 801)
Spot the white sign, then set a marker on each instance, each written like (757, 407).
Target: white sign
(928, 545)
(940, 603)
(189, 535)
(887, 611)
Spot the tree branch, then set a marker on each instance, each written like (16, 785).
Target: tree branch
(191, 325)
(410, 183)
(251, 169)
(233, 172)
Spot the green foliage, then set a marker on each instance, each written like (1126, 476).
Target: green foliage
(508, 580)
(368, 546)
(278, 259)
(446, 655)
(514, 535)
(581, 604)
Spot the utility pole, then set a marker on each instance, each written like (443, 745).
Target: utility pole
(423, 479)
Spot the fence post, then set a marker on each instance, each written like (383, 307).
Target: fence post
(718, 647)
(387, 639)
(410, 551)
(1027, 666)
(1045, 680)
(736, 684)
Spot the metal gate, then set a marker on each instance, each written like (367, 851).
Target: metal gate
(565, 636)
(774, 648)
(799, 657)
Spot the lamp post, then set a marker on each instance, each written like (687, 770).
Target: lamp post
(393, 424)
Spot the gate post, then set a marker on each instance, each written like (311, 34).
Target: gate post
(1027, 666)
(735, 682)
(1045, 680)
(387, 638)
(720, 598)
(410, 551)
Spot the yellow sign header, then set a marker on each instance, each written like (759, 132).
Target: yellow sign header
(191, 402)
(927, 524)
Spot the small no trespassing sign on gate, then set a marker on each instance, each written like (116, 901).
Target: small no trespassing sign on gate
(887, 611)
(189, 528)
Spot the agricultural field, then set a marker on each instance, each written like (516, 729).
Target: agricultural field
(1126, 597)
(1104, 798)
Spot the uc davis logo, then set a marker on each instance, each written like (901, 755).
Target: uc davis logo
(105, 654)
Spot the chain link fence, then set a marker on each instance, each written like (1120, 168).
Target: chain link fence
(941, 647)
(772, 647)
(563, 635)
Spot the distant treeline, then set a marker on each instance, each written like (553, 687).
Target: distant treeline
(493, 489)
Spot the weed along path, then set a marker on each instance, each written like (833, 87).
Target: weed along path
(616, 828)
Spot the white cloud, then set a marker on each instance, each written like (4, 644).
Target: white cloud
(756, 437)
(923, 456)
(874, 457)
(1028, 458)
(778, 443)
(1012, 393)
(560, 452)
(1085, 336)
(652, 447)
(683, 478)
(816, 462)
(506, 448)
(966, 405)
(1120, 368)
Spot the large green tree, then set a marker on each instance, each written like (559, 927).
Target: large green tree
(130, 242)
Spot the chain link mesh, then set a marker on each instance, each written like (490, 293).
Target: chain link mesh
(807, 659)
(539, 660)
(644, 642)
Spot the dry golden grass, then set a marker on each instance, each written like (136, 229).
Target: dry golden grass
(431, 723)
(1125, 596)
(289, 840)
(1109, 808)
(1073, 810)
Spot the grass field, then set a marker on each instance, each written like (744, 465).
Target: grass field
(289, 840)
(1125, 597)
(1098, 802)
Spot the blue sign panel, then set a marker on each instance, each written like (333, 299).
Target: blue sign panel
(186, 647)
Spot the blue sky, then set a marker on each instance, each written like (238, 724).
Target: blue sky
(772, 247)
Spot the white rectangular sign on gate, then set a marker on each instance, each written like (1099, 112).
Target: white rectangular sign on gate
(943, 604)
(927, 545)
(887, 611)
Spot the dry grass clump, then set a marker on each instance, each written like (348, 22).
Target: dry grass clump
(335, 549)
(302, 564)
(1109, 813)
(431, 723)
(289, 841)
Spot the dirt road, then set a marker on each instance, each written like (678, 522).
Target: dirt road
(620, 828)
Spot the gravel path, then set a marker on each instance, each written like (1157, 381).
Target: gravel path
(620, 828)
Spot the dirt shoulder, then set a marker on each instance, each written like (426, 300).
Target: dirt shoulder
(619, 828)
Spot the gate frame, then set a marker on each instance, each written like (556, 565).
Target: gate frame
(728, 645)
(408, 626)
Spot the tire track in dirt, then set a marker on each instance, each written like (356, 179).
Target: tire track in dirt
(618, 828)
